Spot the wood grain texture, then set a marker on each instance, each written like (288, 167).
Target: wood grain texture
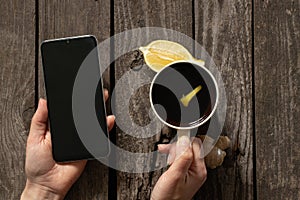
(223, 28)
(277, 98)
(128, 14)
(71, 18)
(17, 69)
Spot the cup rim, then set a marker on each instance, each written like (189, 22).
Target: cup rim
(211, 113)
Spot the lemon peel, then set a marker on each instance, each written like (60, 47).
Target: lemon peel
(160, 53)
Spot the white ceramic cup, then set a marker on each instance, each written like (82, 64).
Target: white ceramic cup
(185, 130)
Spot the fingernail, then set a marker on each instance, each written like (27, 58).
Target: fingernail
(202, 153)
(182, 144)
(169, 160)
(184, 141)
(158, 146)
(112, 117)
(40, 102)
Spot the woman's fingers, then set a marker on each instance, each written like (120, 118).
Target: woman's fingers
(182, 163)
(198, 164)
(182, 144)
(168, 149)
(176, 149)
(105, 94)
(164, 148)
(196, 144)
(110, 120)
(39, 120)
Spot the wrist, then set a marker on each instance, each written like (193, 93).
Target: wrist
(35, 191)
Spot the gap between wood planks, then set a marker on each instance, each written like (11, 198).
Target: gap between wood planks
(112, 173)
(253, 105)
(36, 59)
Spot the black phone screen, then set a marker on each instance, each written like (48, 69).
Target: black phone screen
(62, 59)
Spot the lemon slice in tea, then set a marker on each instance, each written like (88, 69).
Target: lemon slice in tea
(160, 53)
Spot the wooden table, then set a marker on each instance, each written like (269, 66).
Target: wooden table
(255, 45)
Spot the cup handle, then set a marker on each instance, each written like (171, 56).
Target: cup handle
(183, 132)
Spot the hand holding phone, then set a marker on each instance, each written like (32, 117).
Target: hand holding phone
(47, 179)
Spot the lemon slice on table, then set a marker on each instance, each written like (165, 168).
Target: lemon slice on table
(160, 53)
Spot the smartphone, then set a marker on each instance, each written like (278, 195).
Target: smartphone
(62, 59)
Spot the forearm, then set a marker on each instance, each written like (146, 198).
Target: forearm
(33, 191)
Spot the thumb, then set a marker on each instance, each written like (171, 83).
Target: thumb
(39, 120)
(184, 155)
(183, 143)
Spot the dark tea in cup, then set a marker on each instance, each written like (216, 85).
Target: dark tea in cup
(184, 95)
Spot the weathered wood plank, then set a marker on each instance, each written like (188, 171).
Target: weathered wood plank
(223, 28)
(277, 98)
(176, 15)
(17, 69)
(71, 18)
